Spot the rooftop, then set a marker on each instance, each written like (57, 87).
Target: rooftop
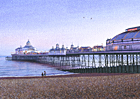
(129, 35)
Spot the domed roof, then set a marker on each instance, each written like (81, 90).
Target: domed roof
(126, 36)
(29, 46)
(28, 43)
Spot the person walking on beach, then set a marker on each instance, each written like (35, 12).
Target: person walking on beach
(44, 73)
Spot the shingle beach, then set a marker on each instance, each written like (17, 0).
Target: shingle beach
(78, 86)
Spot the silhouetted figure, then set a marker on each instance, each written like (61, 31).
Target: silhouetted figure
(44, 73)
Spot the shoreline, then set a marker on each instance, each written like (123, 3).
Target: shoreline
(68, 75)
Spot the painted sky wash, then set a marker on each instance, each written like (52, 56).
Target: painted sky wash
(47, 22)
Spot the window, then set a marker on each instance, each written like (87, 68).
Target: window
(121, 36)
(110, 47)
(138, 35)
(113, 38)
(124, 47)
(130, 35)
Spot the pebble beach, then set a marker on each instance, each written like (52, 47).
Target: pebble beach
(75, 86)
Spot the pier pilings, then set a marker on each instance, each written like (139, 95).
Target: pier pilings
(97, 62)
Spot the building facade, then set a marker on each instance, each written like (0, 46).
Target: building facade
(128, 40)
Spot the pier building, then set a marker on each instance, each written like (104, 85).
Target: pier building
(128, 40)
(85, 49)
(57, 50)
(28, 48)
(98, 48)
(73, 49)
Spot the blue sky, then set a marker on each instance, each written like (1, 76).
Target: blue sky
(47, 22)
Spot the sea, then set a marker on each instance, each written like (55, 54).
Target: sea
(9, 68)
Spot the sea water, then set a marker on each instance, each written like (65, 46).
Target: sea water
(21, 68)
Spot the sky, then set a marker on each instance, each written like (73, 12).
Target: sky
(79, 22)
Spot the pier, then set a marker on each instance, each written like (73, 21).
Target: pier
(90, 62)
(120, 55)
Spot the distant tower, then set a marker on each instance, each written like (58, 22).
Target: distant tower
(72, 45)
(57, 46)
(28, 43)
(62, 46)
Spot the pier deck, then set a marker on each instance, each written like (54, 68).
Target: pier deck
(102, 61)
